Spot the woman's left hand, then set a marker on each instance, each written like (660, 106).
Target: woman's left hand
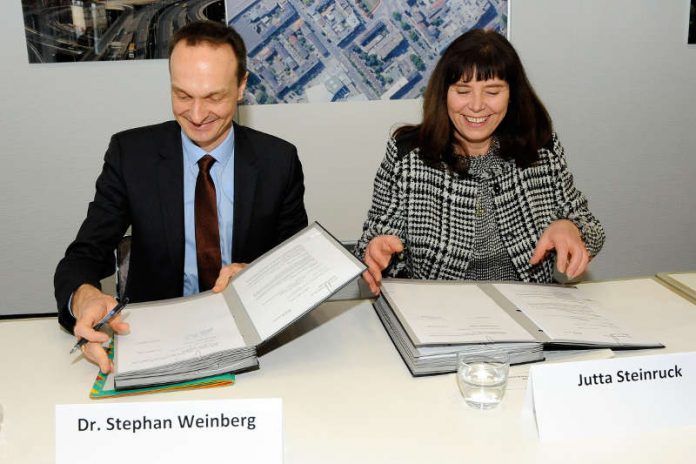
(571, 255)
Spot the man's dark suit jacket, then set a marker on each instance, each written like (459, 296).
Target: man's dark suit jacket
(141, 185)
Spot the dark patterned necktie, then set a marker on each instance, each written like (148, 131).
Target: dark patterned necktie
(207, 231)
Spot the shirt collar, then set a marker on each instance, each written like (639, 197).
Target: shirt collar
(222, 153)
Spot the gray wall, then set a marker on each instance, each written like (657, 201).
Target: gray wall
(617, 77)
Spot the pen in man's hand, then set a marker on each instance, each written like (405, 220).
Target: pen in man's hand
(110, 315)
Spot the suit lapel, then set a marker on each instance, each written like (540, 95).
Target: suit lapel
(245, 174)
(170, 178)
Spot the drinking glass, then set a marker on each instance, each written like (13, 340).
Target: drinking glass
(482, 378)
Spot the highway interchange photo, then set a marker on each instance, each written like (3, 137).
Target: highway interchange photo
(74, 30)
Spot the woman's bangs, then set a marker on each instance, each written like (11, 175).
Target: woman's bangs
(480, 66)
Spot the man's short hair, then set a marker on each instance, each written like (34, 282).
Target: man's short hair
(213, 33)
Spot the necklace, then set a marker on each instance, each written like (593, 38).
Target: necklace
(479, 210)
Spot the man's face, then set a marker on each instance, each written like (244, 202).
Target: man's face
(205, 91)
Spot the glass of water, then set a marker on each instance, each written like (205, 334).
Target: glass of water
(482, 378)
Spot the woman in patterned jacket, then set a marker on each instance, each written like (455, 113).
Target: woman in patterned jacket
(480, 188)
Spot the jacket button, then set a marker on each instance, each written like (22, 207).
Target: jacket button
(496, 189)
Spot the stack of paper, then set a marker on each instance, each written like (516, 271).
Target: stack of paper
(442, 358)
(104, 384)
(183, 339)
(682, 282)
(431, 321)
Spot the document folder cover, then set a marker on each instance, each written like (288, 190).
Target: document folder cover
(210, 334)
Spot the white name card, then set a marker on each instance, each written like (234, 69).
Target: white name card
(619, 396)
(248, 431)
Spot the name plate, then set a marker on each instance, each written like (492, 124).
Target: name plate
(619, 396)
(248, 431)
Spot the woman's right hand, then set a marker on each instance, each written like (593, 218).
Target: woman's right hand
(378, 254)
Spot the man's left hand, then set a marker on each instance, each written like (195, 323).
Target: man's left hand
(226, 274)
(572, 256)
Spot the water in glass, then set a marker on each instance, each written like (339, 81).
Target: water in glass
(482, 382)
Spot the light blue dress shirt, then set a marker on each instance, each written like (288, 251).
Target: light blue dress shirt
(222, 173)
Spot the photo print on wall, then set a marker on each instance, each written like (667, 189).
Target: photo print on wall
(97, 30)
(299, 50)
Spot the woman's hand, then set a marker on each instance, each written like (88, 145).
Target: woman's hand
(378, 254)
(571, 255)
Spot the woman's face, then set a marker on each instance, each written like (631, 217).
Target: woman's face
(476, 108)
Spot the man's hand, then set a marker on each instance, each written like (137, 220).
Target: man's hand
(572, 256)
(378, 254)
(90, 305)
(226, 274)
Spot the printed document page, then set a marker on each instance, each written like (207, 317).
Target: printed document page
(446, 313)
(283, 285)
(565, 315)
(176, 332)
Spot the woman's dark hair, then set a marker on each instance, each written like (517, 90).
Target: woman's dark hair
(213, 33)
(526, 126)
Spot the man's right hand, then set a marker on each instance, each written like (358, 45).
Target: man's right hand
(89, 306)
(378, 254)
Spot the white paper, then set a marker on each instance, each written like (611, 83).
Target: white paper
(451, 313)
(301, 273)
(688, 280)
(591, 398)
(565, 315)
(178, 331)
(183, 432)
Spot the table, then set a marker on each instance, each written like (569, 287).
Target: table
(347, 395)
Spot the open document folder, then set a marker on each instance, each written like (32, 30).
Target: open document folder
(213, 333)
(430, 321)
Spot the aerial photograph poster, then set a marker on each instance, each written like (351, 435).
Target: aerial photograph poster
(298, 50)
(339, 50)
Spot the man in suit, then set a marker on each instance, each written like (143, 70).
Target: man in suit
(151, 179)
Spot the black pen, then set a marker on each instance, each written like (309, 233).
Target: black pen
(110, 315)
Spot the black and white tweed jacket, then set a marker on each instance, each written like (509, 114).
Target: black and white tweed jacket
(432, 211)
